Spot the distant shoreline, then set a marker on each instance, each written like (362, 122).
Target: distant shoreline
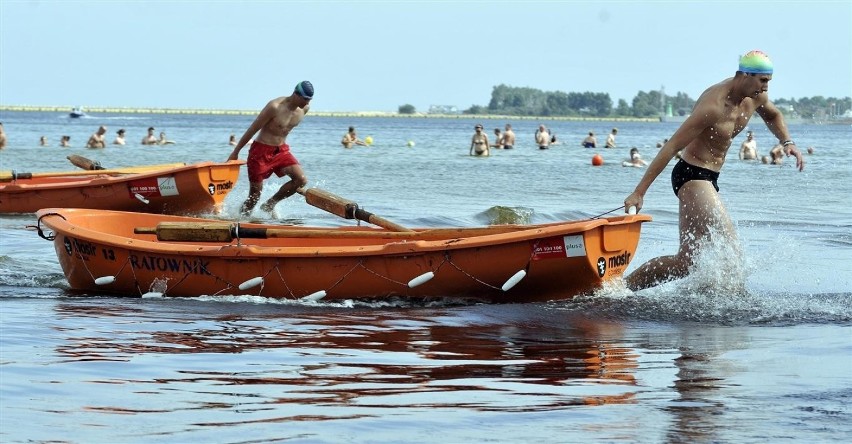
(131, 110)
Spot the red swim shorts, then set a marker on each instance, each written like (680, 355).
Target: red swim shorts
(263, 160)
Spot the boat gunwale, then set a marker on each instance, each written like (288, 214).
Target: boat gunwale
(99, 180)
(384, 246)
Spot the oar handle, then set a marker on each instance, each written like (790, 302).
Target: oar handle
(369, 217)
(188, 232)
(13, 175)
(226, 232)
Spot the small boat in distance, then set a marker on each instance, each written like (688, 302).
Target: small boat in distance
(76, 113)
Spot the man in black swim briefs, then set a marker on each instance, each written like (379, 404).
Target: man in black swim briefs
(703, 140)
(684, 172)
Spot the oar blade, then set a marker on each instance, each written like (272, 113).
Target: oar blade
(329, 202)
(195, 231)
(347, 209)
(84, 163)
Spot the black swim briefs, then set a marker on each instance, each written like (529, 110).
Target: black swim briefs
(684, 172)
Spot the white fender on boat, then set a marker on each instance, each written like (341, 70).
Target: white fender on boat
(423, 278)
(141, 198)
(514, 280)
(315, 296)
(251, 283)
(105, 280)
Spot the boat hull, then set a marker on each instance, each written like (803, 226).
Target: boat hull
(190, 189)
(559, 260)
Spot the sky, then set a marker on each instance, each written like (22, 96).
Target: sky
(378, 55)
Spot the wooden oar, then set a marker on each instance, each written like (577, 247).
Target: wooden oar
(226, 232)
(346, 208)
(13, 175)
(84, 163)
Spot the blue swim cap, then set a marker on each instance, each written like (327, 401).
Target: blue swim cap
(305, 90)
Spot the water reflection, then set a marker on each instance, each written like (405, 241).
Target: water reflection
(702, 375)
(455, 358)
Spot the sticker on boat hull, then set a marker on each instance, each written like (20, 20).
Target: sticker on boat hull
(560, 247)
(154, 186)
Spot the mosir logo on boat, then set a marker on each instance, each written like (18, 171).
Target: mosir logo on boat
(613, 263)
(154, 186)
(85, 249)
(559, 247)
(219, 188)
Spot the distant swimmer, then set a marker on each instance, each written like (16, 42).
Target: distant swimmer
(721, 112)
(498, 143)
(542, 138)
(65, 141)
(610, 139)
(119, 138)
(776, 155)
(2, 137)
(635, 159)
(351, 138)
(479, 143)
(150, 138)
(42, 141)
(590, 141)
(508, 137)
(163, 141)
(97, 140)
(748, 149)
(269, 152)
(232, 140)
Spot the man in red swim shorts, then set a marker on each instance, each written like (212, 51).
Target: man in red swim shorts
(269, 152)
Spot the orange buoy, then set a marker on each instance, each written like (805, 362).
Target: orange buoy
(597, 160)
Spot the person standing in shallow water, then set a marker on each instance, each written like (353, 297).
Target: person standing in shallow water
(479, 142)
(748, 149)
(508, 137)
(351, 138)
(97, 140)
(269, 152)
(703, 140)
(150, 138)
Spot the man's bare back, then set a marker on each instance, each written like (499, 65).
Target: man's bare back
(509, 137)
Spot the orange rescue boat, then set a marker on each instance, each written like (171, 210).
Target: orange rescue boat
(130, 254)
(170, 189)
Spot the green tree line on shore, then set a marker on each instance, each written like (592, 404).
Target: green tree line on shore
(525, 101)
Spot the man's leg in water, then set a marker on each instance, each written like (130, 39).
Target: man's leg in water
(297, 180)
(255, 188)
(700, 212)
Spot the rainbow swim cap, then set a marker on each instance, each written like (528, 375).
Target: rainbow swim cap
(756, 62)
(305, 89)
